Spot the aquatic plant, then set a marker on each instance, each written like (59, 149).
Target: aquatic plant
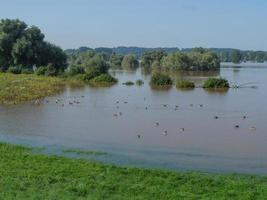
(128, 83)
(159, 79)
(139, 82)
(216, 83)
(103, 80)
(184, 84)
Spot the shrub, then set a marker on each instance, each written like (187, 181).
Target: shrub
(216, 83)
(74, 70)
(27, 71)
(14, 70)
(103, 79)
(51, 71)
(159, 79)
(185, 84)
(40, 71)
(129, 83)
(91, 73)
(139, 82)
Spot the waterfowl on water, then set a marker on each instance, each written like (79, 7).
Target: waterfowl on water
(182, 129)
(157, 124)
(200, 105)
(236, 126)
(146, 108)
(115, 115)
(120, 113)
(138, 136)
(216, 117)
(117, 102)
(70, 103)
(164, 105)
(125, 102)
(252, 128)
(82, 96)
(165, 133)
(244, 117)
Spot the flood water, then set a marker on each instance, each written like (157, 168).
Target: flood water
(187, 136)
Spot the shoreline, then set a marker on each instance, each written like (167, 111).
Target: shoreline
(28, 174)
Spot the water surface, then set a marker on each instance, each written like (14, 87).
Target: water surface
(110, 120)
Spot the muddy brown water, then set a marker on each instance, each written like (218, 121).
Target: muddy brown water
(122, 120)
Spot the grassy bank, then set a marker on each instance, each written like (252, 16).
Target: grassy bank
(24, 175)
(19, 88)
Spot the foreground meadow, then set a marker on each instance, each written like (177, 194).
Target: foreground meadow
(28, 175)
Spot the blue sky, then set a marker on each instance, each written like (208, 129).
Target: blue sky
(147, 23)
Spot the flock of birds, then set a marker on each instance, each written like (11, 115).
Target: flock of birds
(76, 100)
(176, 107)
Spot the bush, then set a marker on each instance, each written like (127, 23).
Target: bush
(159, 79)
(216, 83)
(139, 82)
(14, 70)
(49, 70)
(129, 83)
(27, 71)
(91, 73)
(74, 70)
(40, 71)
(103, 79)
(185, 84)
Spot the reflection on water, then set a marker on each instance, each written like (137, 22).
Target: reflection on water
(193, 129)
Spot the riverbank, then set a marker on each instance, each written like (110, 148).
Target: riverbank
(15, 89)
(28, 175)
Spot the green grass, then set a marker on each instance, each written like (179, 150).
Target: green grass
(27, 175)
(26, 87)
(185, 84)
(84, 152)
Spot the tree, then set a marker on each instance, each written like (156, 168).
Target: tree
(236, 56)
(129, 62)
(24, 47)
(152, 58)
(115, 60)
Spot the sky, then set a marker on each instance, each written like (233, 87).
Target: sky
(238, 24)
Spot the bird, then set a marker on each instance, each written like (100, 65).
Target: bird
(120, 113)
(125, 102)
(216, 117)
(117, 102)
(164, 105)
(244, 117)
(115, 115)
(157, 124)
(253, 128)
(82, 96)
(200, 105)
(165, 133)
(138, 136)
(236, 126)
(182, 129)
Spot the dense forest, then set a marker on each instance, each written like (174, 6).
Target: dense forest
(225, 54)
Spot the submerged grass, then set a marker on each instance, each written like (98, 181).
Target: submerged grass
(26, 87)
(26, 175)
(85, 152)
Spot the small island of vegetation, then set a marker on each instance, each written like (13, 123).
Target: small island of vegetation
(185, 84)
(159, 80)
(216, 83)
